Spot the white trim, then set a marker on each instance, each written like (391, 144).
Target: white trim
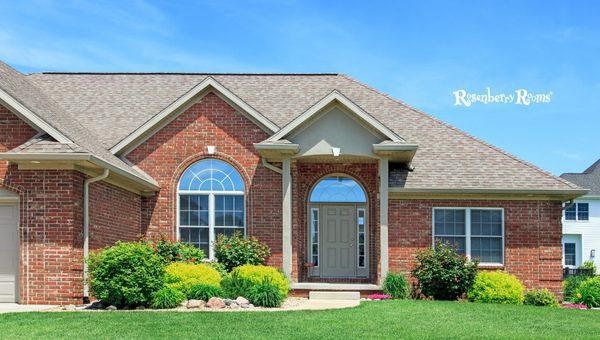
(32, 118)
(206, 84)
(468, 231)
(321, 104)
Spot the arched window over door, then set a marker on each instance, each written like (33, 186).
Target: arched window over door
(338, 189)
(211, 202)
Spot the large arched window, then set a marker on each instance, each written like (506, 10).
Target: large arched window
(211, 202)
(338, 189)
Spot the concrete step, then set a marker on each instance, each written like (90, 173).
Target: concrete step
(333, 295)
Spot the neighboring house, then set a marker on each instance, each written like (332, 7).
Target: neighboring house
(581, 220)
(342, 182)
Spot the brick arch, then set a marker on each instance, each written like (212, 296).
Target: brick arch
(183, 166)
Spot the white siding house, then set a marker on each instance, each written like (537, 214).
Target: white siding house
(581, 220)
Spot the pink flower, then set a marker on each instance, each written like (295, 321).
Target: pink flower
(574, 306)
(379, 297)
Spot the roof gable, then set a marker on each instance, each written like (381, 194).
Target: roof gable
(178, 106)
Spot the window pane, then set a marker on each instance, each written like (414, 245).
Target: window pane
(486, 222)
(571, 212)
(184, 202)
(338, 189)
(486, 249)
(228, 231)
(450, 222)
(211, 174)
(570, 254)
(194, 218)
(184, 218)
(583, 211)
(459, 242)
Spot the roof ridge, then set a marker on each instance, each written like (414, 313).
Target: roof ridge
(492, 147)
(187, 73)
(595, 166)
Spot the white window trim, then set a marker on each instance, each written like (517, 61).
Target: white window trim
(358, 210)
(468, 231)
(312, 220)
(576, 220)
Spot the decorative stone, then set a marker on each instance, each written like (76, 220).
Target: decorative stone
(242, 301)
(183, 304)
(70, 307)
(228, 301)
(111, 307)
(215, 302)
(234, 305)
(191, 304)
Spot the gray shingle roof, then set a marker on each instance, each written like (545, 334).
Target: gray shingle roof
(114, 105)
(589, 179)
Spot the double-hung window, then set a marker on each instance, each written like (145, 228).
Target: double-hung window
(477, 233)
(570, 254)
(577, 212)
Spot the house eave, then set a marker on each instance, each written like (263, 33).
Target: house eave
(486, 193)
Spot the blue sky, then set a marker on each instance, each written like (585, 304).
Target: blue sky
(420, 52)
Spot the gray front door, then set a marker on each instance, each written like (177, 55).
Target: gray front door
(338, 241)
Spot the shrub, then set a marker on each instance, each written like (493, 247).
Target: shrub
(443, 274)
(541, 297)
(175, 251)
(126, 274)
(257, 274)
(218, 266)
(497, 287)
(571, 284)
(167, 297)
(204, 292)
(589, 265)
(182, 276)
(265, 294)
(233, 286)
(588, 292)
(396, 286)
(238, 250)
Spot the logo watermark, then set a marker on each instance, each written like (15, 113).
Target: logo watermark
(518, 97)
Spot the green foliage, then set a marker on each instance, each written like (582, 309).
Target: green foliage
(256, 274)
(175, 251)
(204, 292)
(588, 292)
(541, 297)
(182, 276)
(218, 266)
(570, 286)
(589, 265)
(238, 250)
(497, 287)
(443, 274)
(167, 297)
(396, 286)
(265, 294)
(233, 286)
(126, 274)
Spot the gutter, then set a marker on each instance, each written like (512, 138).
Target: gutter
(86, 231)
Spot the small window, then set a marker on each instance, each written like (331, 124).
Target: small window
(361, 231)
(338, 189)
(577, 212)
(314, 236)
(570, 254)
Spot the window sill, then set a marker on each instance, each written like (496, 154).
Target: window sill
(491, 266)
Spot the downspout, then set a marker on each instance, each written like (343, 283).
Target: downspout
(271, 166)
(86, 231)
(570, 204)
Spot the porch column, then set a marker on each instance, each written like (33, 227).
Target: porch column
(383, 218)
(286, 213)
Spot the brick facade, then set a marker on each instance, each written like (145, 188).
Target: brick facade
(533, 230)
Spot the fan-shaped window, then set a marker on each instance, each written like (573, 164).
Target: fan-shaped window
(338, 189)
(211, 202)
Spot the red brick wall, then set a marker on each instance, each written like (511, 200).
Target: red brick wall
(533, 249)
(168, 153)
(13, 132)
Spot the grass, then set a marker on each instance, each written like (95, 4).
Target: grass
(382, 319)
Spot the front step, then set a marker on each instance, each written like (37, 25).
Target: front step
(333, 295)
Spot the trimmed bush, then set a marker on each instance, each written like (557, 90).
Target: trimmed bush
(570, 286)
(396, 286)
(588, 292)
(497, 287)
(257, 275)
(443, 274)
(126, 274)
(166, 298)
(204, 292)
(238, 250)
(175, 251)
(182, 276)
(265, 294)
(541, 297)
(233, 286)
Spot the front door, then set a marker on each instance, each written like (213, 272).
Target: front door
(339, 241)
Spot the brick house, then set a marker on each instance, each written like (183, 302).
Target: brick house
(344, 183)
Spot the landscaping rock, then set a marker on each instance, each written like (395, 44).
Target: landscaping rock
(184, 304)
(97, 305)
(242, 301)
(140, 308)
(69, 307)
(234, 305)
(228, 301)
(111, 307)
(191, 304)
(245, 305)
(215, 302)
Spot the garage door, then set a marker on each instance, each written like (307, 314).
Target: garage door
(9, 260)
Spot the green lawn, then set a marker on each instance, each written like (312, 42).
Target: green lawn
(386, 319)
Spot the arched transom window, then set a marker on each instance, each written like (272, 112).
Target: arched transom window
(211, 202)
(338, 189)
